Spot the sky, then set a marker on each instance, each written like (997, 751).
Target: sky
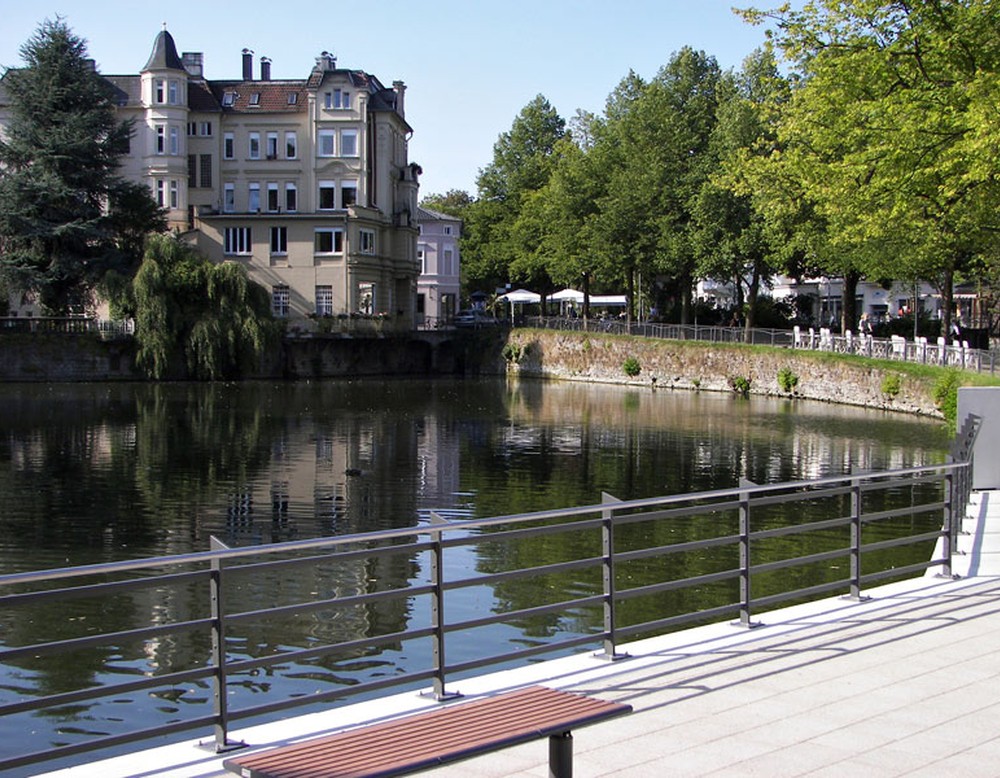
(469, 66)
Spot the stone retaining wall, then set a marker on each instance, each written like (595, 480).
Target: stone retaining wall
(711, 367)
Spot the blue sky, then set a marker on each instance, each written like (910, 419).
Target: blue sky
(469, 67)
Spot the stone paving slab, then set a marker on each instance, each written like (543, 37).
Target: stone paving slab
(905, 683)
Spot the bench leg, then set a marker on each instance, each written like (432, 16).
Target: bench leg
(561, 755)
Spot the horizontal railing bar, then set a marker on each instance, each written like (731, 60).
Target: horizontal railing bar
(701, 508)
(676, 548)
(96, 692)
(72, 644)
(316, 652)
(331, 695)
(905, 570)
(538, 610)
(871, 518)
(338, 556)
(205, 557)
(798, 529)
(679, 620)
(893, 480)
(908, 540)
(528, 572)
(102, 589)
(808, 591)
(336, 602)
(545, 648)
(524, 532)
(798, 561)
(799, 496)
(679, 583)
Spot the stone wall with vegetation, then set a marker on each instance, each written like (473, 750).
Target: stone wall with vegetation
(700, 366)
(63, 357)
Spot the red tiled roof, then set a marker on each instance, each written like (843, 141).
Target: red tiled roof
(271, 96)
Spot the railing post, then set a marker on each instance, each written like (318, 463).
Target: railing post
(608, 577)
(220, 700)
(744, 529)
(950, 524)
(856, 541)
(437, 609)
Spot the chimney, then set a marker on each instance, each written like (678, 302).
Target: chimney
(194, 63)
(400, 89)
(265, 69)
(247, 65)
(326, 62)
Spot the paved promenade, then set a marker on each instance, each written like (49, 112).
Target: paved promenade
(904, 683)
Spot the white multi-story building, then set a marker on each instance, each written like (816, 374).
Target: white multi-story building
(438, 254)
(305, 182)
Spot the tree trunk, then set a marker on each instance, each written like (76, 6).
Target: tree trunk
(849, 301)
(751, 307)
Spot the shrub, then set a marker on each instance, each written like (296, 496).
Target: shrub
(946, 396)
(740, 384)
(891, 385)
(787, 380)
(631, 367)
(512, 352)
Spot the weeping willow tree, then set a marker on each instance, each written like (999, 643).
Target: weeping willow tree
(196, 319)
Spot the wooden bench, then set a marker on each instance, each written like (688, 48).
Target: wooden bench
(423, 740)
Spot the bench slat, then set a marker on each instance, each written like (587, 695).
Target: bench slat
(427, 739)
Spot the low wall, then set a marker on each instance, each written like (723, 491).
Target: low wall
(710, 367)
(66, 357)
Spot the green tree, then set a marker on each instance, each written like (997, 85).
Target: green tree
(893, 130)
(455, 202)
(197, 319)
(66, 216)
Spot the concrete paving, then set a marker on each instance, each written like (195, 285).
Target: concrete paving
(904, 683)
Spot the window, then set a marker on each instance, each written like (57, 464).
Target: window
(192, 171)
(291, 198)
(349, 143)
(174, 194)
(272, 197)
(175, 141)
(206, 170)
(329, 241)
(366, 298)
(161, 199)
(229, 146)
(160, 87)
(324, 301)
(341, 99)
(254, 145)
(348, 193)
(192, 128)
(449, 263)
(229, 198)
(291, 145)
(272, 145)
(253, 198)
(254, 99)
(293, 98)
(172, 93)
(327, 194)
(447, 230)
(325, 143)
(367, 241)
(422, 261)
(279, 240)
(279, 301)
(205, 129)
(228, 98)
(161, 139)
(238, 241)
(328, 100)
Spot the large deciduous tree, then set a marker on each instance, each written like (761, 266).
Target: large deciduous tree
(66, 216)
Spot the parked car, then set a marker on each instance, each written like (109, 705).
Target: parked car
(472, 317)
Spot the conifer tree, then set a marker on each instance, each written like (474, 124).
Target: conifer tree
(66, 215)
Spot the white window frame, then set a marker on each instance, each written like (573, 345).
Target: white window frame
(160, 91)
(205, 129)
(161, 139)
(280, 298)
(237, 241)
(175, 141)
(324, 300)
(228, 198)
(253, 197)
(161, 197)
(366, 241)
(279, 241)
(336, 235)
(273, 204)
(291, 145)
(341, 99)
(291, 198)
(326, 143)
(253, 145)
(326, 186)
(174, 194)
(173, 93)
(229, 145)
(272, 145)
(348, 186)
(349, 138)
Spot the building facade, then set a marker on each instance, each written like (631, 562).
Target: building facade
(304, 182)
(440, 267)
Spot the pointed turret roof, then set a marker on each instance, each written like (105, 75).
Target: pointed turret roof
(164, 55)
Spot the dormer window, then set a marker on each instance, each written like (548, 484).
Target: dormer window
(293, 98)
(255, 99)
(228, 98)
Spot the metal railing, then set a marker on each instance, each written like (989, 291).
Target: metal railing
(66, 325)
(959, 355)
(613, 568)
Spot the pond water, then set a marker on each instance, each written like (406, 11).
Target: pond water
(102, 472)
